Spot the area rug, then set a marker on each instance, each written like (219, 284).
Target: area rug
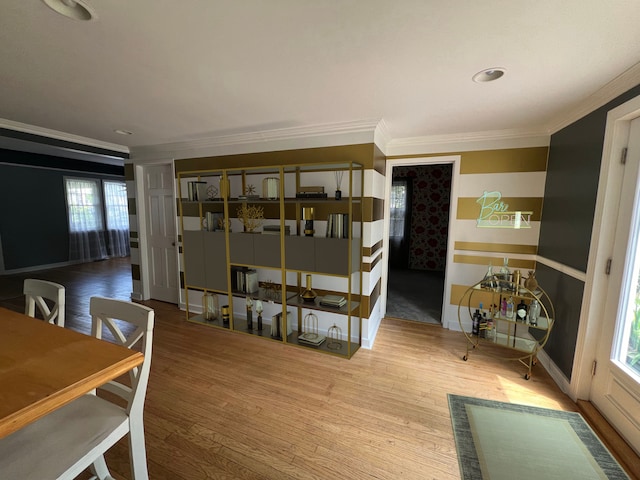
(506, 441)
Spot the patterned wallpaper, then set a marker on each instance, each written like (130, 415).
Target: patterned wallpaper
(429, 215)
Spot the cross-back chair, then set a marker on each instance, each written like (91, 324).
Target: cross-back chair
(36, 292)
(64, 443)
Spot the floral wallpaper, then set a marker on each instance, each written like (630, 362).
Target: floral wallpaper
(429, 214)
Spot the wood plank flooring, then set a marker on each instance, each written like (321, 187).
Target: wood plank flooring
(224, 405)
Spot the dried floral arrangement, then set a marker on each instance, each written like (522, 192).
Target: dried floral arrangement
(251, 216)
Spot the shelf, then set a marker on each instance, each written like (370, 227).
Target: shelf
(543, 322)
(216, 322)
(315, 305)
(210, 258)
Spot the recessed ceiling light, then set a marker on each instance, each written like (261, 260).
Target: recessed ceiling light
(489, 75)
(123, 132)
(75, 9)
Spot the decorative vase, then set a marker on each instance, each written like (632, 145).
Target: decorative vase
(308, 295)
(531, 283)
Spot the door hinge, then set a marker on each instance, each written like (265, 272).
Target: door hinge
(607, 269)
(593, 368)
(623, 156)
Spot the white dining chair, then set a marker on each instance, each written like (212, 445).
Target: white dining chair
(36, 292)
(67, 441)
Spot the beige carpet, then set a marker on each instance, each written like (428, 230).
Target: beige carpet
(504, 441)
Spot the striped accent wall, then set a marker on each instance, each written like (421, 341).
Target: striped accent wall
(519, 175)
(134, 244)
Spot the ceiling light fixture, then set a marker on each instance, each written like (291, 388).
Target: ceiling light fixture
(123, 132)
(75, 9)
(489, 75)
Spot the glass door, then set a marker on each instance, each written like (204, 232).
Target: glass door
(615, 389)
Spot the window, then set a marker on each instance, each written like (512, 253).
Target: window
(89, 214)
(115, 201)
(398, 208)
(83, 201)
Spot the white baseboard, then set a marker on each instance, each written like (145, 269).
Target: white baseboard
(553, 370)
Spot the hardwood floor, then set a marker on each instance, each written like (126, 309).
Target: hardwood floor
(235, 406)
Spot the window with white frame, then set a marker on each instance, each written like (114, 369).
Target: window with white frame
(98, 218)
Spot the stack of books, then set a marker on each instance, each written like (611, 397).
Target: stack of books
(312, 339)
(275, 229)
(335, 301)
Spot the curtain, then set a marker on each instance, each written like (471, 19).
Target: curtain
(117, 213)
(400, 215)
(398, 208)
(86, 236)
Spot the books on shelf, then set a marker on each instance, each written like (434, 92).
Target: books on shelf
(196, 191)
(335, 301)
(338, 225)
(244, 280)
(276, 325)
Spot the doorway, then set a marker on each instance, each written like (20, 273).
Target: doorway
(420, 202)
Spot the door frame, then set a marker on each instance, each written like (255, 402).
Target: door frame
(602, 242)
(143, 226)
(454, 161)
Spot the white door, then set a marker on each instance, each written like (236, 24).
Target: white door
(615, 389)
(161, 231)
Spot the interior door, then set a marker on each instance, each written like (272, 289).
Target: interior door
(161, 230)
(615, 389)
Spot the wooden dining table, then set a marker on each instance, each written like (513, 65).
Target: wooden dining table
(43, 367)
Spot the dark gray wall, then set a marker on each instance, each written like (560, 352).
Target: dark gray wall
(571, 188)
(33, 216)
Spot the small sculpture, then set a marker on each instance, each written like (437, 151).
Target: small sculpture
(531, 283)
(251, 216)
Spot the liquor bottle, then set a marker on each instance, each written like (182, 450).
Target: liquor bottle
(534, 312)
(509, 313)
(503, 308)
(475, 322)
(521, 312)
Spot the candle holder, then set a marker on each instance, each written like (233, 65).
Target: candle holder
(249, 314)
(259, 310)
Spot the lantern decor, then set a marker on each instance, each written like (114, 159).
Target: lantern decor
(259, 311)
(249, 314)
(335, 334)
(309, 335)
(210, 306)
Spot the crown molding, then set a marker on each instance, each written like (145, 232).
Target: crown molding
(360, 131)
(619, 85)
(66, 137)
(457, 142)
(382, 136)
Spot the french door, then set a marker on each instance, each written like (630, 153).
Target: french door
(615, 389)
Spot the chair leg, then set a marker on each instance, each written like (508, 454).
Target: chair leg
(100, 469)
(137, 452)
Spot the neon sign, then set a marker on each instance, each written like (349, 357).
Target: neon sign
(494, 213)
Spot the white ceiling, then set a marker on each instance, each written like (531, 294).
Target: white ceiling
(180, 70)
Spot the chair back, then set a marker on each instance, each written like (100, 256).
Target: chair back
(130, 324)
(36, 292)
